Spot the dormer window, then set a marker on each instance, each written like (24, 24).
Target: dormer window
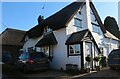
(95, 28)
(47, 30)
(78, 22)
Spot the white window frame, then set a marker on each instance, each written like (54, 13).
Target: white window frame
(74, 49)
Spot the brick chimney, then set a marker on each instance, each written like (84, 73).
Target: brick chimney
(40, 19)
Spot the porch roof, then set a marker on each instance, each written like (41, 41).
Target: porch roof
(77, 37)
(48, 39)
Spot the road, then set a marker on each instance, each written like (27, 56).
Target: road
(105, 73)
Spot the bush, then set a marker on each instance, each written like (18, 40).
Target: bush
(97, 59)
(88, 58)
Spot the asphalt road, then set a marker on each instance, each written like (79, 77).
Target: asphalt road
(105, 73)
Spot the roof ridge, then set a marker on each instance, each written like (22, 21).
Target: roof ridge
(15, 29)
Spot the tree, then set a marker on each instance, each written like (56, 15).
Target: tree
(111, 25)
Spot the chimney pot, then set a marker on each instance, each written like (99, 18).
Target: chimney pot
(40, 19)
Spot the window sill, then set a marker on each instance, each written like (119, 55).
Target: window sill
(77, 26)
(74, 54)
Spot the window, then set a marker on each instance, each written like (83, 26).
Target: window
(78, 22)
(71, 49)
(74, 49)
(95, 28)
(48, 50)
(47, 29)
(80, 12)
(91, 12)
(26, 38)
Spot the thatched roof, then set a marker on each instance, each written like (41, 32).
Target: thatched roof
(11, 37)
(56, 21)
(61, 19)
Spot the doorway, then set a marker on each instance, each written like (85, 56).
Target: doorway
(88, 51)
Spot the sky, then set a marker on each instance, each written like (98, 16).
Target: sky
(24, 15)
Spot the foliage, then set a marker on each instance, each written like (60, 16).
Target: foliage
(97, 59)
(110, 23)
(88, 58)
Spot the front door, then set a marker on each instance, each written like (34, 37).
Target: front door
(88, 51)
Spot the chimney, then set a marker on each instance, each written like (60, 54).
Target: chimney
(40, 19)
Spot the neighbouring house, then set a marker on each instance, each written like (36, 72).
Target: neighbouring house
(11, 41)
(71, 34)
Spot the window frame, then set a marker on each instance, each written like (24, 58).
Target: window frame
(47, 30)
(74, 49)
(97, 30)
(78, 20)
(50, 50)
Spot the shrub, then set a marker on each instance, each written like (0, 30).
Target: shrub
(88, 58)
(97, 59)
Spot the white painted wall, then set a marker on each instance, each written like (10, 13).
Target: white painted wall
(101, 40)
(71, 26)
(60, 58)
(31, 43)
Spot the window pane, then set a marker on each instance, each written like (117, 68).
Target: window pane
(74, 49)
(77, 49)
(78, 22)
(95, 28)
(71, 50)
